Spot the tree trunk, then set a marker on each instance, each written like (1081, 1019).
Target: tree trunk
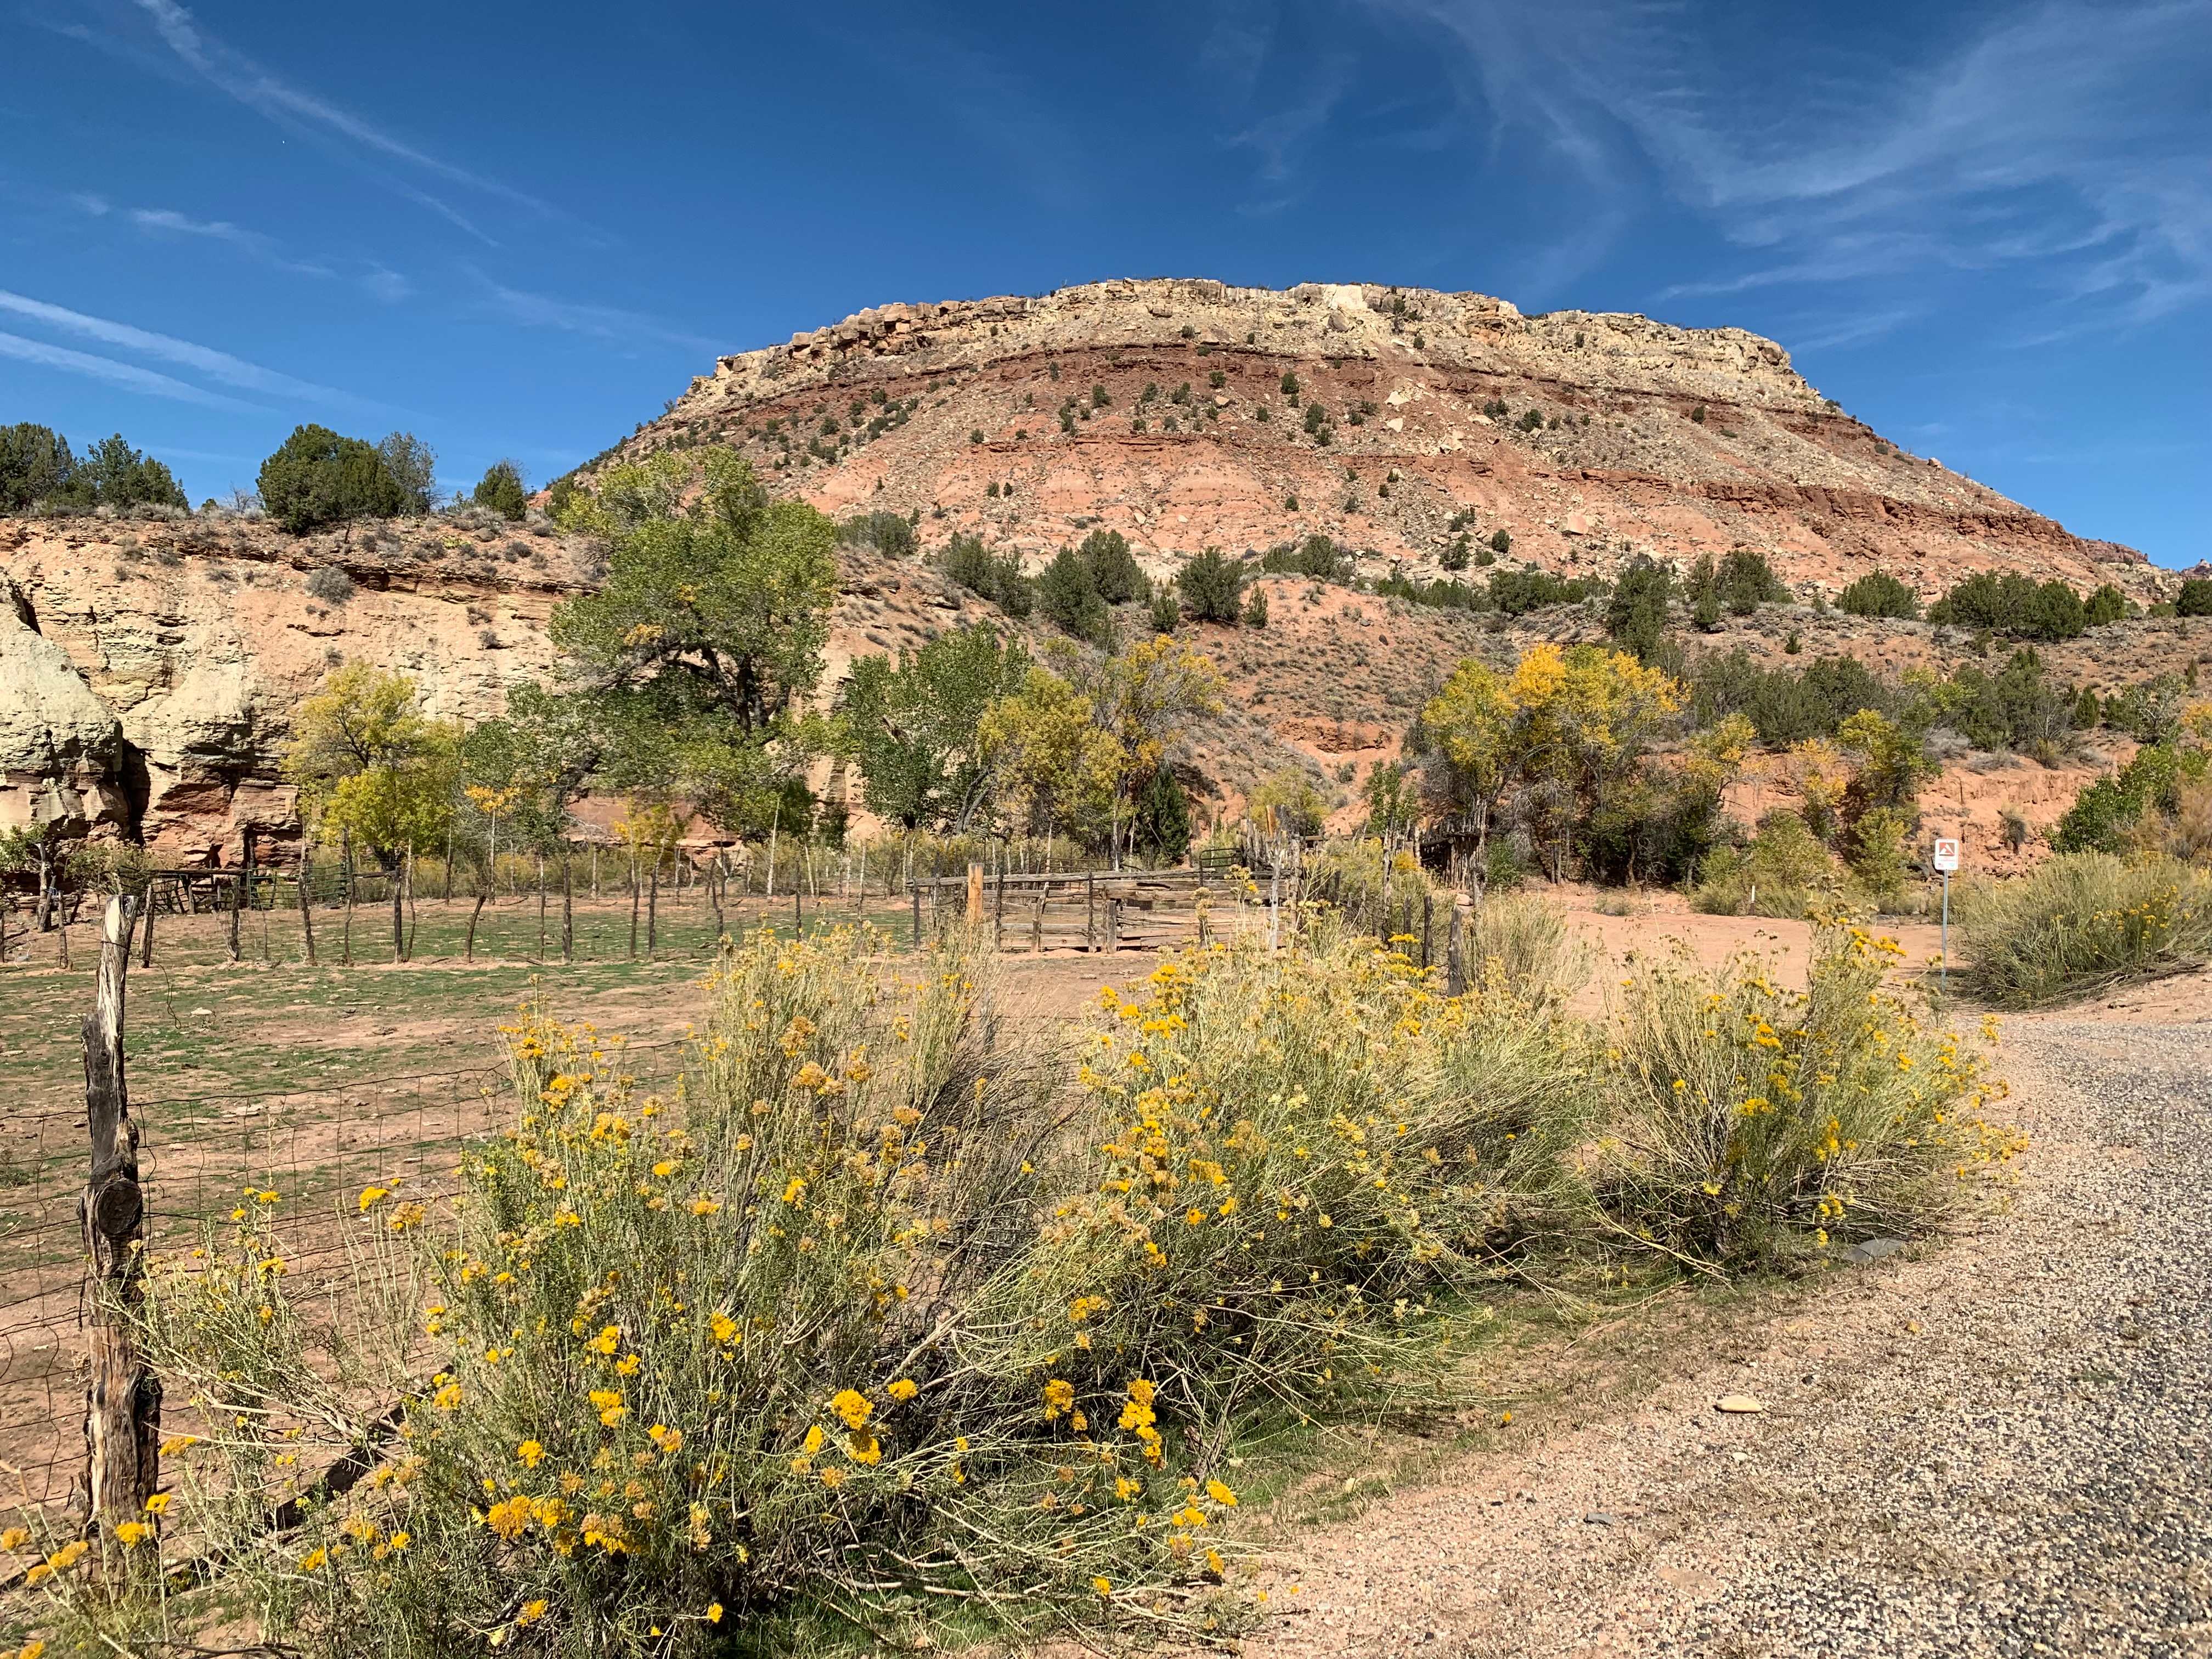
(541, 906)
(470, 955)
(398, 917)
(633, 907)
(652, 908)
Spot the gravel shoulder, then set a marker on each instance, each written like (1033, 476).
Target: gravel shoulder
(1995, 1447)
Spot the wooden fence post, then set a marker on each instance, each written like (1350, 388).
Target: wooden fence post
(146, 942)
(914, 889)
(567, 903)
(123, 1398)
(974, 893)
(1428, 911)
(1456, 948)
(306, 907)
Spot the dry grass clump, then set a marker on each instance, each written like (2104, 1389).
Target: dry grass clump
(1749, 1124)
(2083, 922)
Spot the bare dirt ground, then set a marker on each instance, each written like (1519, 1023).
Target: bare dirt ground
(1990, 1447)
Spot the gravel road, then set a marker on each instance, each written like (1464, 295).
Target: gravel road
(1999, 1448)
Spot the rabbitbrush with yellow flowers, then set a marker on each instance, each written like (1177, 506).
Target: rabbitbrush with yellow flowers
(890, 1312)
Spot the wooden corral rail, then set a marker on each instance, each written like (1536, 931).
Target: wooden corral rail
(1087, 909)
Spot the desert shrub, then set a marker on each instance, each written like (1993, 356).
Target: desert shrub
(501, 491)
(1000, 580)
(889, 533)
(1637, 617)
(1519, 940)
(1880, 594)
(2014, 605)
(1741, 582)
(2017, 707)
(1785, 871)
(2149, 711)
(2105, 815)
(331, 585)
(1517, 593)
(1255, 608)
(1212, 586)
(1747, 1123)
(1069, 598)
(1316, 556)
(1114, 568)
(2194, 598)
(1785, 706)
(2083, 922)
(876, 1304)
(317, 477)
(1880, 863)
(2106, 605)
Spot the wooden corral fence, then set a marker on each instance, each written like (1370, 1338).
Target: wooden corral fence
(1097, 910)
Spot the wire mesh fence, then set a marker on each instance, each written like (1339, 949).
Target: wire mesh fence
(203, 1155)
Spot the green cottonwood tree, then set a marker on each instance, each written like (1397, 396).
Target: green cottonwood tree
(368, 761)
(691, 659)
(912, 725)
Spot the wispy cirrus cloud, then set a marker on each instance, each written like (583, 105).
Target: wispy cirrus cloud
(181, 40)
(167, 221)
(2067, 140)
(206, 361)
(129, 376)
(599, 322)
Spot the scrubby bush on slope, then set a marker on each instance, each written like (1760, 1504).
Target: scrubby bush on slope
(1750, 1123)
(2081, 922)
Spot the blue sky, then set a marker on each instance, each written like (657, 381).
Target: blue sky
(518, 230)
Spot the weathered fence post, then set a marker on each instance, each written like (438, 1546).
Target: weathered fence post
(123, 1398)
(345, 875)
(146, 940)
(914, 889)
(306, 907)
(1456, 948)
(238, 886)
(1113, 924)
(1428, 910)
(567, 903)
(1090, 910)
(653, 910)
(974, 893)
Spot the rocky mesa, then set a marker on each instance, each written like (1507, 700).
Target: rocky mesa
(148, 666)
(1188, 413)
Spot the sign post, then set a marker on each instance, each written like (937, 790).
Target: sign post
(1946, 860)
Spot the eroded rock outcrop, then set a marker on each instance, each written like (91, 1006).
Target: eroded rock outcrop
(1161, 409)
